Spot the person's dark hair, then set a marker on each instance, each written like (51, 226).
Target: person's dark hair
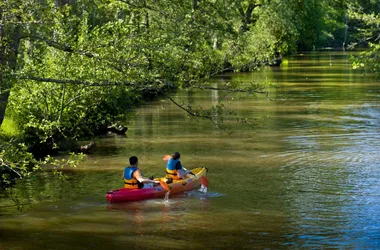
(133, 160)
(176, 156)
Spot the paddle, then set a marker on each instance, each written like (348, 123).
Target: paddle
(203, 179)
(166, 157)
(165, 186)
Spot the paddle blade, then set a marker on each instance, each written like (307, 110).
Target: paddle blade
(166, 157)
(164, 185)
(204, 181)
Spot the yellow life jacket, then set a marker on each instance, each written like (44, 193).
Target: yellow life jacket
(172, 174)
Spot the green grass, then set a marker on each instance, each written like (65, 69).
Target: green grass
(9, 128)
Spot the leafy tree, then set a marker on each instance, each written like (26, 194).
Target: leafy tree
(365, 19)
(143, 45)
(72, 67)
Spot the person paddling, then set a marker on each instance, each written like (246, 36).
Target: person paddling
(174, 168)
(132, 175)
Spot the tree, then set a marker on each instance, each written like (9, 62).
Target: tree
(365, 19)
(10, 35)
(75, 60)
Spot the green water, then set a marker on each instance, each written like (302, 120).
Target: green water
(306, 176)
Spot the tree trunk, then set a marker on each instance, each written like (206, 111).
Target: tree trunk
(195, 4)
(345, 32)
(4, 95)
(248, 17)
(9, 45)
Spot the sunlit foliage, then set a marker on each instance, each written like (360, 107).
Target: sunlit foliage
(70, 68)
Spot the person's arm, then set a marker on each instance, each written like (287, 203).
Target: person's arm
(137, 175)
(178, 166)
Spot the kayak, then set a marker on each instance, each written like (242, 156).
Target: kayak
(178, 186)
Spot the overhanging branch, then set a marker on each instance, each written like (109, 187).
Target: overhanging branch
(143, 6)
(191, 112)
(139, 85)
(70, 49)
(64, 47)
(80, 82)
(249, 91)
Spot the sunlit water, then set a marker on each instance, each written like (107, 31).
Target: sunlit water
(306, 176)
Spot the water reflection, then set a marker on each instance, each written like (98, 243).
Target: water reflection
(158, 216)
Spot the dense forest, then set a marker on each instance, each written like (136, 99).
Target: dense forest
(71, 68)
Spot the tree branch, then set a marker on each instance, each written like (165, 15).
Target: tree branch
(70, 49)
(64, 47)
(79, 82)
(5, 164)
(144, 6)
(190, 112)
(249, 91)
(140, 86)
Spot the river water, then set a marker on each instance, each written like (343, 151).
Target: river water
(306, 175)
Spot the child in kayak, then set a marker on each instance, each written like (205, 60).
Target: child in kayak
(132, 176)
(174, 168)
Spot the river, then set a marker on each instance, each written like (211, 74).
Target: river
(305, 175)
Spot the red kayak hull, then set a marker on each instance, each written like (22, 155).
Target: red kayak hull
(126, 194)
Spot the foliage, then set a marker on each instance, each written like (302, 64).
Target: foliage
(70, 68)
(366, 17)
(10, 128)
(272, 35)
(369, 59)
(17, 162)
(66, 49)
(49, 113)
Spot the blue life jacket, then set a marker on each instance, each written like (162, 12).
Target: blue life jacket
(172, 169)
(128, 172)
(171, 165)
